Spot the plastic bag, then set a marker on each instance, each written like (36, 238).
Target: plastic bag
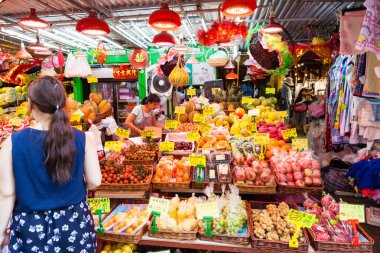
(77, 67)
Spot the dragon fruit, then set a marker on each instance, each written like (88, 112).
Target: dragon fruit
(334, 208)
(326, 200)
(239, 173)
(250, 174)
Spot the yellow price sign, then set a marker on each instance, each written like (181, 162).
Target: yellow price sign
(171, 124)
(204, 128)
(208, 110)
(300, 144)
(351, 212)
(195, 160)
(261, 138)
(193, 136)
(92, 79)
(286, 134)
(252, 127)
(246, 100)
(147, 133)
(166, 146)
(114, 146)
(270, 90)
(99, 204)
(15, 122)
(1, 110)
(159, 205)
(79, 127)
(215, 90)
(282, 113)
(21, 110)
(301, 219)
(180, 110)
(199, 118)
(191, 92)
(122, 133)
(209, 209)
(75, 117)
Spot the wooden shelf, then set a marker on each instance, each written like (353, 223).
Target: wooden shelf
(121, 194)
(215, 191)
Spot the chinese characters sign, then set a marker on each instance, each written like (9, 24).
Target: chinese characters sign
(125, 72)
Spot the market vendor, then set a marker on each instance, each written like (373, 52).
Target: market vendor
(143, 115)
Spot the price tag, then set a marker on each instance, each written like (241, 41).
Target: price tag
(208, 110)
(204, 128)
(166, 146)
(246, 100)
(343, 107)
(301, 219)
(209, 209)
(193, 136)
(21, 110)
(215, 91)
(114, 146)
(79, 127)
(75, 117)
(351, 212)
(261, 138)
(147, 133)
(195, 160)
(220, 157)
(92, 79)
(199, 118)
(15, 122)
(286, 134)
(159, 205)
(206, 151)
(180, 110)
(122, 133)
(300, 144)
(171, 124)
(252, 127)
(191, 92)
(270, 90)
(1, 110)
(254, 112)
(99, 204)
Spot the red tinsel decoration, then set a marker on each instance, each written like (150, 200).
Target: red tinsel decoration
(222, 32)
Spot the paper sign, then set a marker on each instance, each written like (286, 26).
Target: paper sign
(79, 127)
(204, 128)
(195, 160)
(147, 133)
(122, 133)
(166, 146)
(215, 91)
(171, 124)
(180, 110)
(193, 136)
(191, 92)
(159, 205)
(199, 118)
(99, 204)
(246, 100)
(21, 110)
(270, 90)
(282, 114)
(261, 138)
(75, 117)
(286, 134)
(299, 144)
(254, 112)
(114, 146)
(301, 219)
(351, 212)
(208, 110)
(15, 122)
(220, 157)
(252, 127)
(1, 110)
(92, 79)
(207, 209)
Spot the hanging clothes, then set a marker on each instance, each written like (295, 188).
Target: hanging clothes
(372, 82)
(350, 25)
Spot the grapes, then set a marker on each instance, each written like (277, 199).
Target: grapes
(183, 145)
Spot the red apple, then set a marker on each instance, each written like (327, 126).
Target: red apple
(308, 181)
(308, 172)
(300, 183)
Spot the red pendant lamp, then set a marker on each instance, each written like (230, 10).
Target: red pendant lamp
(273, 27)
(37, 46)
(163, 39)
(42, 53)
(93, 26)
(33, 21)
(164, 19)
(238, 8)
(232, 75)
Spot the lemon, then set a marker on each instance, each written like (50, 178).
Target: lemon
(107, 247)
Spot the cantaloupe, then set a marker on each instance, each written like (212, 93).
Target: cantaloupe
(189, 106)
(183, 117)
(191, 115)
(104, 106)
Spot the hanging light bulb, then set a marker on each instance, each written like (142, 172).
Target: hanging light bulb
(232, 75)
(33, 21)
(273, 27)
(37, 46)
(238, 8)
(164, 19)
(163, 39)
(93, 26)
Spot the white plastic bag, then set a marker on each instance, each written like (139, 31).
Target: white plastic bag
(77, 67)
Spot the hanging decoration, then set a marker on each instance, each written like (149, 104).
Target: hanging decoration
(319, 46)
(238, 8)
(178, 76)
(61, 62)
(93, 26)
(164, 19)
(33, 21)
(138, 58)
(102, 53)
(125, 72)
(167, 62)
(18, 73)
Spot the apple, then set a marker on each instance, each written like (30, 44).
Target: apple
(316, 173)
(300, 183)
(308, 181)
(291, 184)
(308, 172)
(317, 181)
(289, 177)
(298, 176)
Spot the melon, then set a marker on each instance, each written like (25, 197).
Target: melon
(191, 115)
(189, 106)
(183, 117)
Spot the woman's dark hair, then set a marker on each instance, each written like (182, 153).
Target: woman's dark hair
(152, 98)
(48, 95)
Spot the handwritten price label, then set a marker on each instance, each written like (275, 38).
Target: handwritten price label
(180, 110)
(166, 146)
(286, 134)
(15, 122)
(351, 212)
(215, 91)
(191, 92)
(193, 136)
(270, 90)
(246, 100)
(21, 110)
(301, 219)
(122, 133)
(75, 117)
(78, 127)
(99, 204)
(195, 160)
(208, 110)
(207, 209)
(300, 144)
(159, 205)
(282, 114)
(92, 79)
(252, 127)
(204, 128)
(171, 124)
(199, 118)
(254, 112)
(261, 138)
(114, 146)
(147, 133)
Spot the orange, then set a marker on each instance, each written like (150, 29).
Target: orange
(281, 143)
(157, 179)
(269, 146)
(221, 138)
(201, 142)
(186, 177)
(165, 179)
(286, 147)
(205, 138)
(268, 154)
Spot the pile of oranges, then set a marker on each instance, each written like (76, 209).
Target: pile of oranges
(276, 146)
(172, 170)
